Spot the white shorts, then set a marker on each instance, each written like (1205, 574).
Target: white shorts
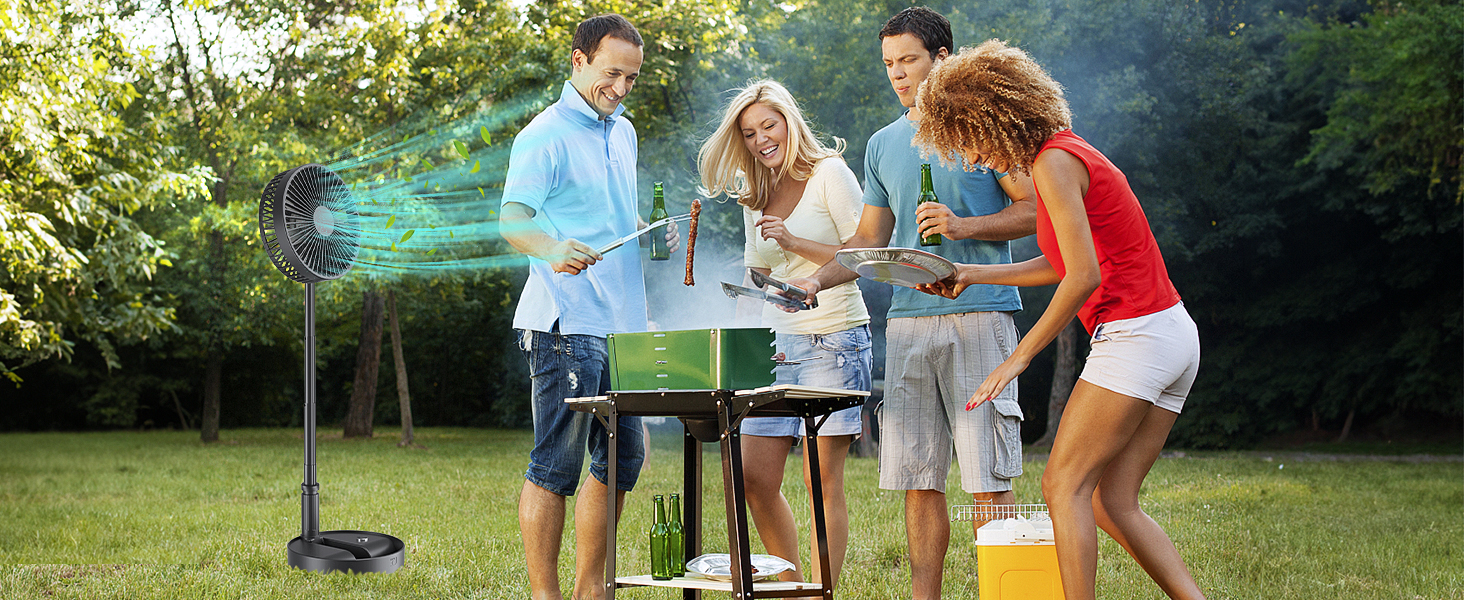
(1153, 358)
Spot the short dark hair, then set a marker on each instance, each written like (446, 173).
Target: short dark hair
(590, 31)
(933, 29)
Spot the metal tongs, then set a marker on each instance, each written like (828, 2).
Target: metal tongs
(792, 291)
(639, 232)
(795, 298)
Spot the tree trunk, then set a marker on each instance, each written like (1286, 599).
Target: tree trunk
(368, 356)
(1346, 426)
(212, 383)
(182, 414)
(1064, 377)
(404, 396)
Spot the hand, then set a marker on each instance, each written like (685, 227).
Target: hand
(997, 381)
(571, 256)
(936, 218)
(950, 287)
(809, 286)
(673, 238)
(945, 288)
(772, 228)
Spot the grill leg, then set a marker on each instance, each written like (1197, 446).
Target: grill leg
(736, 495)
(691, 457)
(612, 520)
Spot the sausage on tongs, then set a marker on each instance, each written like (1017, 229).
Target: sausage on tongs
(691, 240)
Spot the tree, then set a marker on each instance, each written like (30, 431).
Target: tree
(75, 168)
(404, 395)
(368, 357)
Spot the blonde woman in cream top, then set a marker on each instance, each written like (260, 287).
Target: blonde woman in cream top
(826, 214)
(800, 204)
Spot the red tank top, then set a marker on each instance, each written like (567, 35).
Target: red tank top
(1135, 282)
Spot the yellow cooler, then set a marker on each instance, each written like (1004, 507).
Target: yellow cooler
(1016, 559)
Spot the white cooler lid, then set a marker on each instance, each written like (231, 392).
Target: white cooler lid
(1017, 530)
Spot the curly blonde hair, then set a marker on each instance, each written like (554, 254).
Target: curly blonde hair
(728, 167)
(993, 96)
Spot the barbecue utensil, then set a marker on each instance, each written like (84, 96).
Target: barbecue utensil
(896, 266)
(639, 232)
(793, 291)
(734, 291)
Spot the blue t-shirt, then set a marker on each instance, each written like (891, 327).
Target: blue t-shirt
(577, 172)
(892, 180)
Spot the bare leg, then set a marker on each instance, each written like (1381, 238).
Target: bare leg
(1006, 498)
(541, 523)
(928, 531)
(589, 538)
(770, 510)
(832, 452)
(1116, 508)
(1098, 426)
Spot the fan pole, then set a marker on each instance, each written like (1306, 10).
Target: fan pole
(310, 489)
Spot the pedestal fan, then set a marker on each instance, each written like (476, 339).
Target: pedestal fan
(311, 231)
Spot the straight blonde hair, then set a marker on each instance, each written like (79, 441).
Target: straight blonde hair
(727, 167)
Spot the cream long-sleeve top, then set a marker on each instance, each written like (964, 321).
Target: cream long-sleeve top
(827, 213)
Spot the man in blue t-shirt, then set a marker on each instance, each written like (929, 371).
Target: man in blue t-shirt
(571, 188)
(938, 351)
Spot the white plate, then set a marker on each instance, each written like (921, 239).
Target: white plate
(896, 266)
(719, 566)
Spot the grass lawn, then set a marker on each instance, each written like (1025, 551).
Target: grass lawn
(159, 515)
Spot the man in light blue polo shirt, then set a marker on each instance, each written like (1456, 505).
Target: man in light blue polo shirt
(938, 351)
(571, 188)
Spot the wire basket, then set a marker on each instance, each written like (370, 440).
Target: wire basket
(991, 512)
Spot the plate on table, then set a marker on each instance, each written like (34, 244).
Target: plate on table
(905, 267)
(719, 566)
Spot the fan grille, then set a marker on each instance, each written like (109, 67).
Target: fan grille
(309, 224)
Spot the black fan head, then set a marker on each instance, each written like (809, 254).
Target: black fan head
(309, 224)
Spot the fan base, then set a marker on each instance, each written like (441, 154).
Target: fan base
(350, 551)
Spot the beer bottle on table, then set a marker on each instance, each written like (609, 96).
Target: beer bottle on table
(927, 194)
(659, 250)
(676, 550)
(660, 542)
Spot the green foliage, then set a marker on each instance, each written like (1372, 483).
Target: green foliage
(74, 173)
(1393, 115)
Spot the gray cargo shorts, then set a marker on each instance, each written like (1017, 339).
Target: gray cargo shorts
(932, 367)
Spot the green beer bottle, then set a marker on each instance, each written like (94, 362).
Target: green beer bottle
(676, 550)
(659, 250)
(660, 542)
(927, 194)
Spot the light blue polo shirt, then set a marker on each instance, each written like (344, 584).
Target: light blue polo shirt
(577, 172)
(892, 180)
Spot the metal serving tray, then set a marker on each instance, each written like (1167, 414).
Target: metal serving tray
(694, 359)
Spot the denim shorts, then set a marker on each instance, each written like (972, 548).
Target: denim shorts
(574, 366)
(842, 360)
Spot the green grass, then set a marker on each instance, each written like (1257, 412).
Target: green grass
(159, 515)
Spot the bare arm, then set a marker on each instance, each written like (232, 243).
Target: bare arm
(876, 225)
(1015, 221)
(516, 226)
(1064, 181)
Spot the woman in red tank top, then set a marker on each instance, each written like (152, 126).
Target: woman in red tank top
(994, 106)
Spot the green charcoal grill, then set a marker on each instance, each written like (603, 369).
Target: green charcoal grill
(694, 359)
